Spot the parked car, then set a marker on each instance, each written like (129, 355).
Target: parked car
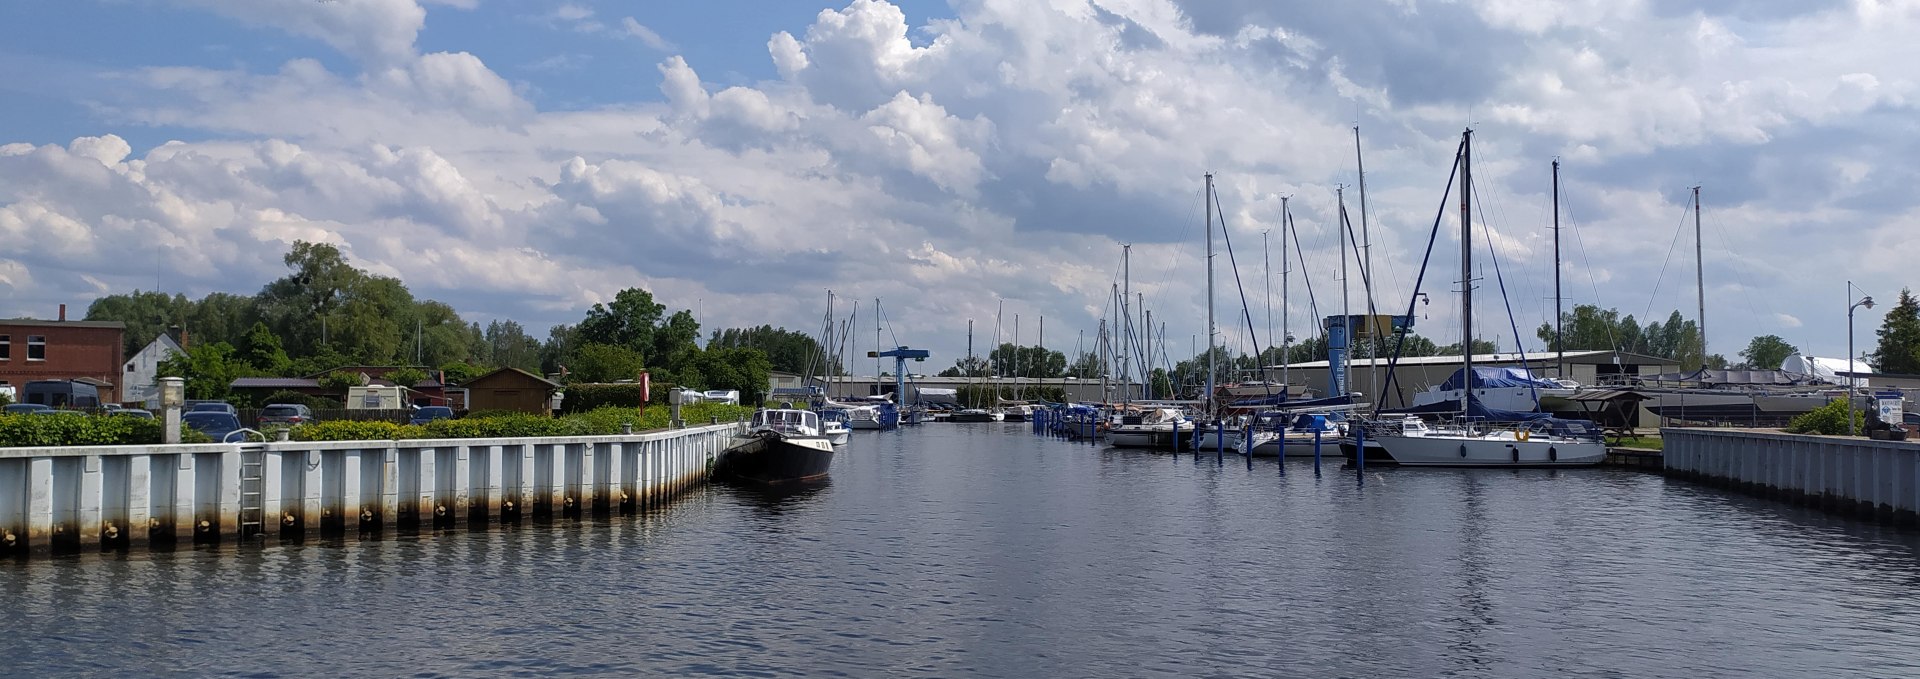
(24, 408)
(285, 414)
(212, 407)
(57, 411)
(425, 414)
(62, 393)
(214, 424)
(132, 412)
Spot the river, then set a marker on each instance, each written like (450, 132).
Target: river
(981, 550)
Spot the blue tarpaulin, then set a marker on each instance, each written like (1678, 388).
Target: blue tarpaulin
(1494, 378)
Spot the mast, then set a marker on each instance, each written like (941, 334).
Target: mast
(1126, 328)
(1146, 374)
(1366, 274)
(1266, 280)
(1286, 338)
(1466, 266)
(1346, 305)
(1016, 357)
(1210, 368)
(1559, 342)
(876, 345)
(1700, 276)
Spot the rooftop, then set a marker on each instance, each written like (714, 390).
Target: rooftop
(37, 323)
(1511, 358)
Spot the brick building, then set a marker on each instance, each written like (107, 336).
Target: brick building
(93, 351)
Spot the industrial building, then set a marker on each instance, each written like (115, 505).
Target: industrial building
(1417, 373)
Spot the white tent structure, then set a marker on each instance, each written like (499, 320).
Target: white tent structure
(1827, 370)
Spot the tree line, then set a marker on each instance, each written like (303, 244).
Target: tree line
(327, 314)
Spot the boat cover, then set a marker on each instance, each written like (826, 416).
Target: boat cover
(1494, 378)
(1477, 410)
(1281, 400)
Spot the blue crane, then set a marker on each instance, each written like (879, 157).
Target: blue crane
(900, 356)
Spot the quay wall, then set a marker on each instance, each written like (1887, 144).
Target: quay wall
(106, 498)
(1871, 479)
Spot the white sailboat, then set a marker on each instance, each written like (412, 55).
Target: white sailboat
(1473, 440)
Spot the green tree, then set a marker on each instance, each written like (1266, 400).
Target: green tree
(1480, 347)
(740, 369)
(209, 369)
(407, 377)
(264, 352)
(603, 363)
(460, 373)
(1029, 361)
(1899, 347)
(1086, 366)
(967, 366)
(786, 350)
(146, 314)
(559, 346)
(674, 341)
(628, 321)
(509, 346)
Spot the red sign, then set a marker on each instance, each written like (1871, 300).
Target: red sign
(646, 387)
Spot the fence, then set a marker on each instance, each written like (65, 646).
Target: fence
(105, 498)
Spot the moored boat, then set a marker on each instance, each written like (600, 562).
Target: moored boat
(780, 446)
(1160, 428)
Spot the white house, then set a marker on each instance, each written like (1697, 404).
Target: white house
(139, 378)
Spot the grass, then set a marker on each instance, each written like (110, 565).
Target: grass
(1648, 442)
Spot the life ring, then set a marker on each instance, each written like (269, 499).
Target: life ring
(1522, 434)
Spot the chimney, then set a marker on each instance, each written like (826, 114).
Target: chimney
(63, 313)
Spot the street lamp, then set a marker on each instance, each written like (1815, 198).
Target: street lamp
(1865, 301)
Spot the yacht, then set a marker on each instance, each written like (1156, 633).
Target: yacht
(781, 445)
(1155, 427)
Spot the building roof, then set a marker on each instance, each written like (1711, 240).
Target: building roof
(478, 381)
(164, 344)
(274, 383)
(1535, 357)
(34, 322)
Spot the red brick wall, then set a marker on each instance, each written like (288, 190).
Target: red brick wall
(72, 352)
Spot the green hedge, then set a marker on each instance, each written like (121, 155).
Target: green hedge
(598, 422)
(582, 398)
(80, 429)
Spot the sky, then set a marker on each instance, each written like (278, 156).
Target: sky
(973, 159)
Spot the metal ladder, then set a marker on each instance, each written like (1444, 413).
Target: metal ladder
(253, 491)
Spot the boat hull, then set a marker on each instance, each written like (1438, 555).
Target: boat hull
(774, 459)
(971, 417)
(1159, 438)
(839, 438)
(1448, 451)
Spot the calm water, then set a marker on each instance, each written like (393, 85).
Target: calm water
(978, 550)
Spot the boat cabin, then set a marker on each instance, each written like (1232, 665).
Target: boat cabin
(794, 422)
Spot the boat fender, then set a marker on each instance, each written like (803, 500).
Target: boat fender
(1516, 453)
(1553, 454)
(1463, 450)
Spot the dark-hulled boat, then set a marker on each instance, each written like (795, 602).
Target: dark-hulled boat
(780, 446)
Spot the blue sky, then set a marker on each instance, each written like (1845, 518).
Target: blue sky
(526, 159)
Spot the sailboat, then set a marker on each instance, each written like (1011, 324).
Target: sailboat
(1480, 436)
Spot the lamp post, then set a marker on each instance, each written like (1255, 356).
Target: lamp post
(1865, 301)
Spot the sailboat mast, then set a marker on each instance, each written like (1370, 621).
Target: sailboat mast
(1286, 338)
(1346, 305)
(876, 345)
(1466, 267)
(1146, 373)
(1266, 280)
(1210, 368)
(1366, 271)
(1016, 357)
(1126, 327)
(1559, 342)
(1699, 275)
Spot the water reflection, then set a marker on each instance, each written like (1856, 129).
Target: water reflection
(983, 551)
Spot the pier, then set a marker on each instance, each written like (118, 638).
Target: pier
(105, 498)
(1871, 479)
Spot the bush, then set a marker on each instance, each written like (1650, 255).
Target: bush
(79, 429)
(581, 398)
(1830, 419)
(348, 430)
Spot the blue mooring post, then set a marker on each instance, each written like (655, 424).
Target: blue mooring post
(1360, 452)
(1246, 443)
(1220, 442)
(1316, 452)
(1280, 439)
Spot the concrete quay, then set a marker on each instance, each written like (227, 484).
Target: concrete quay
(106, 498)
(1876, 480)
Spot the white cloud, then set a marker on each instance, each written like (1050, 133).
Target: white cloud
(645, 35)
(1003, 154)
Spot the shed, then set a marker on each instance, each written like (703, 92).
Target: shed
(511, 389)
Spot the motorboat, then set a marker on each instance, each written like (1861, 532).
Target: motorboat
(833, 425)
(1163, 428)
(978, 415)
(781, 445)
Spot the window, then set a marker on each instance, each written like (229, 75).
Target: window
(36, 347)
(6, 347)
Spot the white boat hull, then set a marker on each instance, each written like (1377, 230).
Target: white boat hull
(863, 424)
(839, 438)
(1491, 451)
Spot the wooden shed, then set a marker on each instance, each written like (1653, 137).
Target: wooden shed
(511, 389)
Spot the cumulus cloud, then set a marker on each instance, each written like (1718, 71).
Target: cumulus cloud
(1004, 153)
